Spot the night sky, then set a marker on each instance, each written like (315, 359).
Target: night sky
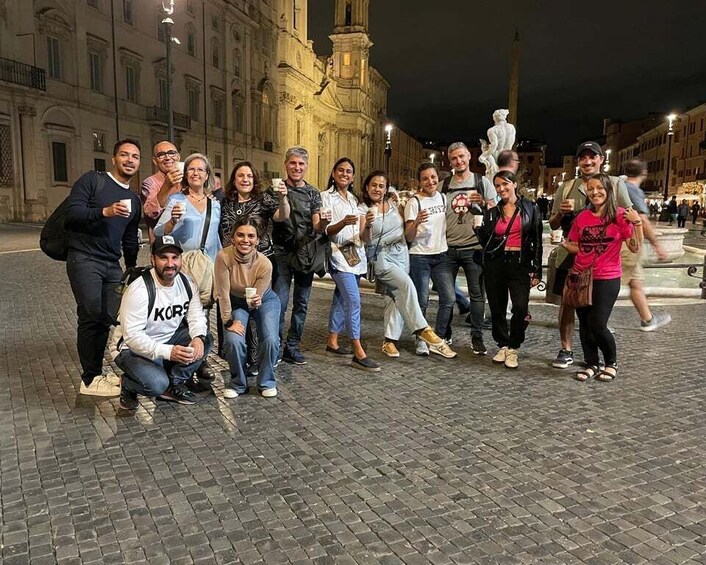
(581, 62)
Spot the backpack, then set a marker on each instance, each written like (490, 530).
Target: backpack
(131, 274)
(477, 185)
(54, 238)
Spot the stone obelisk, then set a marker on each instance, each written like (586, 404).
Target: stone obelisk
(514, 78)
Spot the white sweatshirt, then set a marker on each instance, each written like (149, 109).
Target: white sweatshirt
(147, 337)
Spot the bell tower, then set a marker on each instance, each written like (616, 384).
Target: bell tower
(351, 43)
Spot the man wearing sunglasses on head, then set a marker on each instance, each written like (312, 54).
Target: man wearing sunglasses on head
(157, 188)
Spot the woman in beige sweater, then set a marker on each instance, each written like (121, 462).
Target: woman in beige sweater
(243, 289)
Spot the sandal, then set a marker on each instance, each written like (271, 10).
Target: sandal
(584, 374)
(607, 374)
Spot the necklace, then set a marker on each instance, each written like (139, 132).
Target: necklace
(197, 199)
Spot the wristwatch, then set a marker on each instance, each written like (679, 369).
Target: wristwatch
(229, 323)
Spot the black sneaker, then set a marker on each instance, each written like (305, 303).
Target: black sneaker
(199, 387)
(563, 359)
(478, 346)
(365, 364)
(205, 373)
(179, 393)
(128, 400)
(293, 355)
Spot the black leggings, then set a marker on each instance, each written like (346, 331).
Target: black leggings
(593, 321)
(506, 276)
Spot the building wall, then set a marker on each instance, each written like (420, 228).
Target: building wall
(246, 84)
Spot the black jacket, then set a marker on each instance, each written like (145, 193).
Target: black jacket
(531, 250)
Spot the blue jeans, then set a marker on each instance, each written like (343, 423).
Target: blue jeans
(281, 282)
(454, 260)
(235, 347)
(426, 267)
(152, 378)
(94, 283)
(345, 307)
(462, 301)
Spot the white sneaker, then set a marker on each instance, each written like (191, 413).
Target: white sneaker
(101, 386)
(511, 359)
(501, 355)
(230, 393)
(111, 377)
(269, 392)
(422, 348)
(657, 321)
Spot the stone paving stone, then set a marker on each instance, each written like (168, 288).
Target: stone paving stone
(504, 467)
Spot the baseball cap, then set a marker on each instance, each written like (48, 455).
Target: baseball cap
(165, 242)
(589, 146)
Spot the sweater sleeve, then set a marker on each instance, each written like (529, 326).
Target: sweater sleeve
(195, 315)
(222, 274)
(263, 276)
(131, 241)
(80, 214)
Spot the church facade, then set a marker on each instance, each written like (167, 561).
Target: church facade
(77, 75)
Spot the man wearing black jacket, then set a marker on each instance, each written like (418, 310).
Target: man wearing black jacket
(102, 216)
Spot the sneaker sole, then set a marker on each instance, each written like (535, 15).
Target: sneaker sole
(392, 355)
(425, 354)
(127, 408)
(479, 352)
(562, 365)
(177, 400)
(366, 369)
(656, 326)
(103, 394)
(293, 362)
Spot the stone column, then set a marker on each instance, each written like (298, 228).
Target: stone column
(27, 200)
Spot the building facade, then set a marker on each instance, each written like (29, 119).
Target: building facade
(76, 75)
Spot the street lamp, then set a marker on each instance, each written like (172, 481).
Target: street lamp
(432, 156)
(670, 134)
(388, 147)
(606, 165)
(168, 22)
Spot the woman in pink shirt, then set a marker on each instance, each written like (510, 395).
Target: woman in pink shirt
(596, 236)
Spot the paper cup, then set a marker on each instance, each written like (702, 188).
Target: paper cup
(275, 183)
(572, 203)
(477, 220)
(180, 166)
(325, 213)
(180, 207)
(557, 236)
(250, 292)
(127, 202)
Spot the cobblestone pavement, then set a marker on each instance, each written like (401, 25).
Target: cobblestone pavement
(430, 461)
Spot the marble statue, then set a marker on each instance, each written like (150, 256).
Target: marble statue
(501, 136)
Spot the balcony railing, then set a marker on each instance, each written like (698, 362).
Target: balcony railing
(161, 116)
(20, 73)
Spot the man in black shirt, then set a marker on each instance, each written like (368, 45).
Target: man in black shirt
(102, 216)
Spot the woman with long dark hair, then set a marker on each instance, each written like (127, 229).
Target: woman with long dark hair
(245, 196)
(244, 291)
(511, 236)
(386, 248)
(596, 237)
(347, 264)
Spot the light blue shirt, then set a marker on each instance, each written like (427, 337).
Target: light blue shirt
(189, 229)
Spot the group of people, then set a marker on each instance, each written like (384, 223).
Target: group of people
(266, 241)
(673, 211)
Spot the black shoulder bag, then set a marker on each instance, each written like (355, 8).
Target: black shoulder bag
(495, 246)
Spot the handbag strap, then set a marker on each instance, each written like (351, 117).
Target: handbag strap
(206, 224)
(507, 230)
(382, 226)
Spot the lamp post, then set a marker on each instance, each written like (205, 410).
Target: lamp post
(168, 22)
(432, 156)
(388, 147)
(606, 165)
(670, 135)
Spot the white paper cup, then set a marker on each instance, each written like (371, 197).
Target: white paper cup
(250, 292)
(127, 202)
(180, 207)
(190, 350)
(557, 236)
(180, 166)
(477, 220)
(275, 183)
(325, 213)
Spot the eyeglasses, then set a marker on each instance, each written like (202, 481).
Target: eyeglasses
(196, 170)
(164, 154)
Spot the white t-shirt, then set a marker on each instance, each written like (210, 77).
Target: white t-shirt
(431, 235)
(147, 336)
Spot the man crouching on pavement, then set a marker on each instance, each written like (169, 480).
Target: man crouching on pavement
(162, 338)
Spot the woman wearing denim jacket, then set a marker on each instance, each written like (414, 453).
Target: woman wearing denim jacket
(512, 268)
(383, 233)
